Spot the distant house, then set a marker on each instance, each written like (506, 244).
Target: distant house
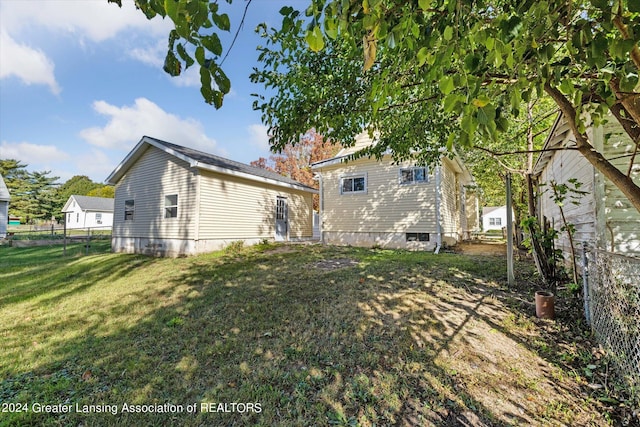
(494, 217)
(88, 212)
(603, 216)
(5, 197)
(172, 200)
(366, 202)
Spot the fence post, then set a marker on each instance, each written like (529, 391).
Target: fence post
(585, 282)
(88, 240)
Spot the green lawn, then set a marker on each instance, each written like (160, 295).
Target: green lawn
(284, 335)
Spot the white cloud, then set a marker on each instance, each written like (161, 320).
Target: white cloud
(128, 124)
(32, 154)
(95, 20)
(151, 54)
(258, 136)
(95, 163)
(30, 65)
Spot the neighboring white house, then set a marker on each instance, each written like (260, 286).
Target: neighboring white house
(5, 197)
(603, 216)
(172, 200)
(88, 212)
(366, 202)
(494, 217)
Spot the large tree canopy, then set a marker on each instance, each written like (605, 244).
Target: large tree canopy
(431, 73)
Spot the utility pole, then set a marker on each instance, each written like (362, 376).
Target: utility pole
(510, 278)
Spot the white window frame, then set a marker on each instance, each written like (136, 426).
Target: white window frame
(98, 217)
(352, 177)
(413, 175)
(171, 210)
(495, 221)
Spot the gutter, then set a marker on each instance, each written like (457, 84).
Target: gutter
(438, 224)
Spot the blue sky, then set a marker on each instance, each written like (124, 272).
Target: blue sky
(81, 82)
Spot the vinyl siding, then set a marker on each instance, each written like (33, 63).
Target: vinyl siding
(621, 220)
(4, 217)
(153, 176)
(603, 216)
(237, 208)
(450, 208)
(387, 206)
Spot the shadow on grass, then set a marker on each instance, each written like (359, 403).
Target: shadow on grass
(379, 343)
(47, 271)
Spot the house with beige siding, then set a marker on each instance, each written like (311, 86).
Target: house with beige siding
(602, 216)
(369, 202)
(172, 200)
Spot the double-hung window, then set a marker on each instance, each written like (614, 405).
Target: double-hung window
(129, 208)
(414, 175)
(495, 221)
(171, 206)
(353, 184)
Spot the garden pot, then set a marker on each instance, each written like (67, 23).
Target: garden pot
(545, 305)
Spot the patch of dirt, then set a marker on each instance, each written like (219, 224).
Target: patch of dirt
(334, 264)
(481, 248)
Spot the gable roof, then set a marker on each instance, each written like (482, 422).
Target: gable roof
(363, 140)
(556, 139)
(202, 160)
(4, 191)
(88, 203)
(488, 209)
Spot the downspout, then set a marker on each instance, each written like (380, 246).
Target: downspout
(438, 225)
(320, 207)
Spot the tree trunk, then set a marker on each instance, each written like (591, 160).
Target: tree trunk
(624, 183)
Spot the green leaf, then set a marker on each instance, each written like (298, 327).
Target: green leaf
(222, 21)
(446, 85)
(481, 101)
(450, 102)
(448, 33)
(171, 7)
(424, 4)
(422, 56)
(628, 82)
(184, 55)
(171, 64)
(200, 55)
(315, 39)
(486, 115)
(212, 44)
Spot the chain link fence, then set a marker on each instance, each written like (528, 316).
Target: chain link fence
(612, 306)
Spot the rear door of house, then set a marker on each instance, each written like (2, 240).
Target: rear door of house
(282, 214)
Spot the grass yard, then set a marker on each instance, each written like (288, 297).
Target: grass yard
(286, 335)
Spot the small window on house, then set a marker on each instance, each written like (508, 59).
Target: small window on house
(98, 218)
(353, 184)
(171, 206)
(414, 175)
(129, 207)
(417, 237)
(68, 218)
(77, 217)
(495, 221)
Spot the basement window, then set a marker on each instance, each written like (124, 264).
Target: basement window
(417, 237)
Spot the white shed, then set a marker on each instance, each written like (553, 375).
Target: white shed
(4, 207)
(88, 212)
